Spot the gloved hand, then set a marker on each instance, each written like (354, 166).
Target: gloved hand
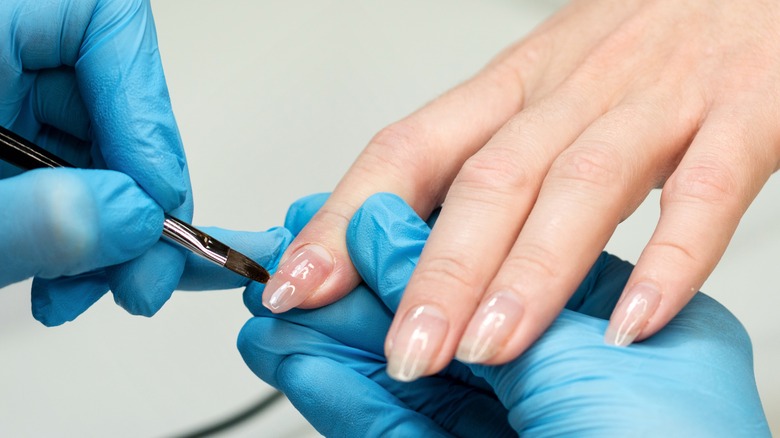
(694, 378)
(84, 80)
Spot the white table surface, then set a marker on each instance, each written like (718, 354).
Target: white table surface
(281, 96)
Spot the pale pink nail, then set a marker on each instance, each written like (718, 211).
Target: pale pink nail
(632, 313)
(298, 278)
(490, 328)
(416, 342)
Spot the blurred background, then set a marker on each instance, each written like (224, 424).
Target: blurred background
(274, 100)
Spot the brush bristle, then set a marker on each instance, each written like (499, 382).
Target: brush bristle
(247, 267)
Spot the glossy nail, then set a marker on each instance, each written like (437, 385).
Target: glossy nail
(416, 342)
(632, 313)
(490, 328)
(298, 278)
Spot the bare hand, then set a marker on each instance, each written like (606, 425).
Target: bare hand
(549, 148)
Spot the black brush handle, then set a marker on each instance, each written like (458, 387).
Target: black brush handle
(26, 155)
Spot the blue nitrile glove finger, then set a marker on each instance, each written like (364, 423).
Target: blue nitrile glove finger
(57, 301)
(112, 48)
(70, 221)
(85, 80)
(694, 378)
(385, 239)
(328, 393)
(298, 215)
(347, 337)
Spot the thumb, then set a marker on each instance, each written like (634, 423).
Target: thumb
(61, 222)
(62, 299)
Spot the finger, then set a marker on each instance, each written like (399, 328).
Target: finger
(701, 205)
(58, 222)
(73, 150)
(57, 103)
(143, 284)
(263, 247)
(266, 347)
(301, 211)
(599, 292)
(612, 165)
(435, 405)
(322, 398)
(135, 128)
(384, 239)
(699, 359)
(480, 219)
(58, 106)
(359, 312)
(113, 47)
(61, 122)
(331, 397)
(57, 301)
(430, 144)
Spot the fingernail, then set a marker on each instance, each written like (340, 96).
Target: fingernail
(416, 342)
(298, 278)
(632, 313)
(490, 328)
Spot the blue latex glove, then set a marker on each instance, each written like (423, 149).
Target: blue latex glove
(694, 378)
(83, 78)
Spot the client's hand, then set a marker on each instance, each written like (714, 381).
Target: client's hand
(694, 378)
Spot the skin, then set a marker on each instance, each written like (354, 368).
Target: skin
(558, 140)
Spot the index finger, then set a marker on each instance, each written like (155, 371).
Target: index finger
(112, 45)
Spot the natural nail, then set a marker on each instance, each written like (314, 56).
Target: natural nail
(490, 328)
(416, 342)
(632, 313)
(298, 278)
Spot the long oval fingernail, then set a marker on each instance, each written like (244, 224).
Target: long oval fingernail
(490, 328)
(298, 278)
(416, 342)
(632, 313)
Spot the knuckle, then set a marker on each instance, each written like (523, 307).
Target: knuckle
(518, 127)
(707, 183)
(673, 253)
(505, 75)
(496, 168)
(517, 63)
(592, 167)
(450, 273)
(533, 258)
(335, 215)
(399, 141)
(400, 150)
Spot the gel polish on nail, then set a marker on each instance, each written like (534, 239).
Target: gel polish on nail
(416, 342)
(299, 277)
(490, 328)
(632, 313)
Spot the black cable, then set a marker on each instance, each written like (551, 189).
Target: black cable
(235, 419)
